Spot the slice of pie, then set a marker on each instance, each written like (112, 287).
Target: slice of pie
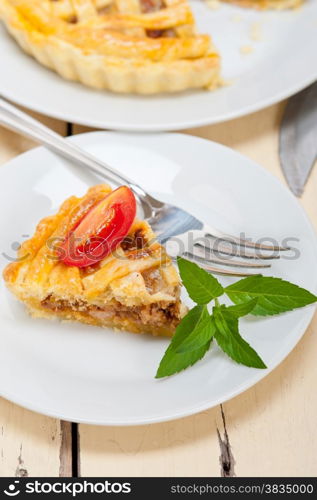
(129, 46)
(135, 288)
(267, 4)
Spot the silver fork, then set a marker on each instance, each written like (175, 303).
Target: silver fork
(181, 232)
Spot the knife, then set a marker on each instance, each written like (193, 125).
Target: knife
(298, 138)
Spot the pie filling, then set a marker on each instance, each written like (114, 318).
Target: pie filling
(158, 314)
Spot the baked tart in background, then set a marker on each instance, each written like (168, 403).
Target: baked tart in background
(126, 46)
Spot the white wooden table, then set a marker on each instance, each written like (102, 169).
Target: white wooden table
(270, 430)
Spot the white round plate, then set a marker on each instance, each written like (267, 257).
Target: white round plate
(283, 62)
(93, 375)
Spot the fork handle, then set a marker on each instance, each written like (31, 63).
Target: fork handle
(18, 121)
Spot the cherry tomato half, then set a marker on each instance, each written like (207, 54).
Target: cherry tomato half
(101, 230)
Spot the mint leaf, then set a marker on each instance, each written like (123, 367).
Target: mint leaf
(201, 286)
(243, 309)
(202, 333)
(230, 341)
(273, 295)
(188, 324)
(172, 361)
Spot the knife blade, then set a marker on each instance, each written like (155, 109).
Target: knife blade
(298, 138)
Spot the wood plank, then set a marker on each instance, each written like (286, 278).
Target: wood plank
(30, 444)
(268, 430)
(185, 447)
(272, 426)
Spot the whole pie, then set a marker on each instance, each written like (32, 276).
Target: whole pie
(267, 4)
(129, 46)
(135, 287)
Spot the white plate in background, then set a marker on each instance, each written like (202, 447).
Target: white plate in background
(283, 62)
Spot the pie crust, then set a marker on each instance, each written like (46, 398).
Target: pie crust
(135, 288)
(128, 46)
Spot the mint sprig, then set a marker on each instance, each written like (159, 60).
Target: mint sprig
(257, 295)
